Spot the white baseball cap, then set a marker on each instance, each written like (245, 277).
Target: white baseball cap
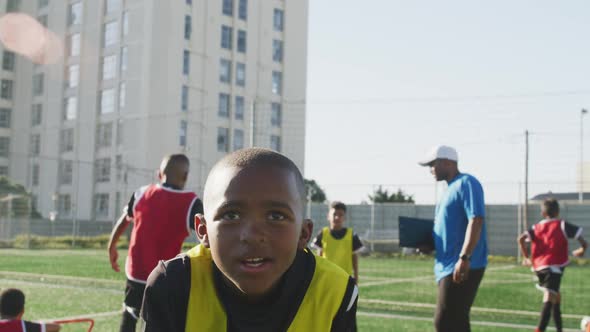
(439, 152)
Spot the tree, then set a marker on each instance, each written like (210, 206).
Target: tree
(383, 196)
(314, 191)
(18, 197)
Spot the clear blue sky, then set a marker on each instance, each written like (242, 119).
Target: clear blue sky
(389, 79)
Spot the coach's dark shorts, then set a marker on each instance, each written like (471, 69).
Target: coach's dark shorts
(550, 280)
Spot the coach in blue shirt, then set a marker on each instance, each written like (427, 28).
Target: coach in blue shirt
(459, 240)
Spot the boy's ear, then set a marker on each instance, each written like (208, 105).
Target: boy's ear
(201, 229)
(306, 231)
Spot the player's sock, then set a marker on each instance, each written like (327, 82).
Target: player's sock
(557, 317)
(545, 316)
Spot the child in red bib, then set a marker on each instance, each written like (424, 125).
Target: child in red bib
(549, 257)
(12, 309)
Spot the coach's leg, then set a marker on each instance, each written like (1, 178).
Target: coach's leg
(445, 306)
(466, 298)
(131, 306)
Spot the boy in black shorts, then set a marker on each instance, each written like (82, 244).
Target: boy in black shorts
(252, 271)
(549, 257)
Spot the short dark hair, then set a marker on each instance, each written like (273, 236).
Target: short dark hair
(12, 302)
(170, 163)
(258, 156)
(337, 205)
(551, 207)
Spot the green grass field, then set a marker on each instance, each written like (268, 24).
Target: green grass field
(396, 294)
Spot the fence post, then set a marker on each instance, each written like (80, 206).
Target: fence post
(373, 226)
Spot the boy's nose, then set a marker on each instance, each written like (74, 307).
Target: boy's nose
(253, 232)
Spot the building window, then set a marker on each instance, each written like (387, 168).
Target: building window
(66, 142)
(70, 108)
(222, 139)
(120, 132)
(277, 82)
(73, 76)
(42, 3)
(243, 9)
(42, 19)
(238, 139)
(8, 60)
(276, 115)
(182, 133)
(36, 114)
(277, 50)
(119, 167)
(6, 89)
(4, 171)
(4, 146)
(223, 105)
(64, 205)
(75, 13)
(186, 62)
(240, 74)
(38, 84)
(104, 137)
(112, 6)
(65, 171)
(224, 71)
(103, 170)
(184, 98)
(239, 108)
(275, 143)
(5, 114)
(278, 20)
(35, 147)
(111, 33)
(35, 175)
(122, 95)
(124, 56)
(107, 101)
(74, 44)
(226, 37)
(188, 27)
(12, 6)
(125, 23)
(109, 67)
(228, 7)
(242, 41)
(189, 2)
(101, 205)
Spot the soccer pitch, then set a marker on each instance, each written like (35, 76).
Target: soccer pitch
(396, 294)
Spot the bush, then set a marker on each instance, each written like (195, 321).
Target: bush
(65, 242)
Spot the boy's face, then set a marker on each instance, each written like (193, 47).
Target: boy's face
(336, 217)
(253, 225)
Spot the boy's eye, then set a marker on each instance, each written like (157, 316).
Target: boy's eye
(231, 215)
(276, 216)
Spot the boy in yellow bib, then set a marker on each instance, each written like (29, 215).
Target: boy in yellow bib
(251, 271)
(339, 244)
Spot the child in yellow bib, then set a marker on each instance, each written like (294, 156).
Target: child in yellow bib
(251, 271)
(337, 243)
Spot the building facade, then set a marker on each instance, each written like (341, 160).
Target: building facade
(139, 79)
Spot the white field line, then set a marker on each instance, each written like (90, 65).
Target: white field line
(478, 309)
(394, 281)
(60, 277)
(62, 286)
(480, 323)
(92, 316)
(423, 278)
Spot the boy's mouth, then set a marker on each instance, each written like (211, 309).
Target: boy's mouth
(255, 264)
